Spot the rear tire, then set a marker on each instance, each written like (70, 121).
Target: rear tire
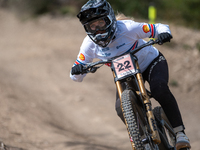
(168, 139)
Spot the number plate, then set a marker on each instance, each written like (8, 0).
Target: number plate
(123, 66)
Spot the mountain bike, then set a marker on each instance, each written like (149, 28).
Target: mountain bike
(147, 128)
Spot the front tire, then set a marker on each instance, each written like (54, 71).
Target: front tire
(130, 119)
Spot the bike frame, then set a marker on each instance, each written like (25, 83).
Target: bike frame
(145, 98)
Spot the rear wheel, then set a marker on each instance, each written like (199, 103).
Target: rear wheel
(137, 129)
(167, 135)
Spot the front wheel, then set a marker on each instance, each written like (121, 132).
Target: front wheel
(136, 127)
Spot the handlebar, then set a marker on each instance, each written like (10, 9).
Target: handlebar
(92, 67)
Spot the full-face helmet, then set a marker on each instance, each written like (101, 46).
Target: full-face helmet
(98, 19)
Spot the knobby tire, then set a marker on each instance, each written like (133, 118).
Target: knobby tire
(130, 119)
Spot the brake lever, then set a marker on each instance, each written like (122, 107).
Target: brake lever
(89, 69)
(158, 42)
(85, 70)
(93, 69)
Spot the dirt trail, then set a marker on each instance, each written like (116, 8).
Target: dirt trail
(42, 109)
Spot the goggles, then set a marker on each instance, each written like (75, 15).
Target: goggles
(99, 24)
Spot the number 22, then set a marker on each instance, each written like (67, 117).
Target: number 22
(126, 65)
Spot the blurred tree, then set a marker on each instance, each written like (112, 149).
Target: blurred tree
(190, 13)
(178, 11)
(134, 8)
(3, 3)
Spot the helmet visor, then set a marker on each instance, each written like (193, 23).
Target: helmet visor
(99, 24)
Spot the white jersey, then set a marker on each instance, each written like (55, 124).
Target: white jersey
(128, 36)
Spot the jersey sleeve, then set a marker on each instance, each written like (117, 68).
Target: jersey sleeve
(145, 30)
(86, 55)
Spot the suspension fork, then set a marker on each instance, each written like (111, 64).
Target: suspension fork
(148, 106)
(120, 90)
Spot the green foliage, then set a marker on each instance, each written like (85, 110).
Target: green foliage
(31, 7)
(173, 83)
(131, 7)
(39, 7)
(190, 13)
(186, 47)
(68, 10)
(198, 46)
(184, 12)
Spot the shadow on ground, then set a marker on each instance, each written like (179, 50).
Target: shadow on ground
(7, 147)
(90, 146)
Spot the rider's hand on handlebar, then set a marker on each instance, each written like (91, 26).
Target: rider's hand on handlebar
(76, 70)
(164, 37)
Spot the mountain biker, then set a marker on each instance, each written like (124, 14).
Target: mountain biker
(108, 37)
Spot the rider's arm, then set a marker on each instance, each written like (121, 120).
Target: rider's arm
(145, 30)
(85, 56)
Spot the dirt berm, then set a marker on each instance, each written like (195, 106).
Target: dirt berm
(41, 108)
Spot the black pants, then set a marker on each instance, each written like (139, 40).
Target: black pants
(157, 76)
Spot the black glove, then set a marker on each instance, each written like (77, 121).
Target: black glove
(78, 69)
(164, 37)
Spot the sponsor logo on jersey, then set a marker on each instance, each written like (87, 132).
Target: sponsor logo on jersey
(106, 54)
(105, 49)
(120, 46)
(81, 57)
(146, 28)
